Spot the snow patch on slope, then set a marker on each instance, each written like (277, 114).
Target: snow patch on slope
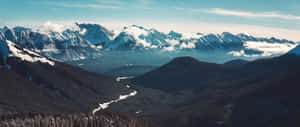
(27, 55)
(118, 79)
(121, 97)
(82, 32)
(106, 104)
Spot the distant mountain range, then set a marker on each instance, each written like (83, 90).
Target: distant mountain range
(89, 41)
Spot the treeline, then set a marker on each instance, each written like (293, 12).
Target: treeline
(106, 119)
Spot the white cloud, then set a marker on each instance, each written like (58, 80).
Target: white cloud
(117, 2)
(182, 27)
(267, 49)
(170, 48)
(145, 1)
(172, 42)
(82, 5)
(220, 11)
(189, 35)
(55, 27)
(241, 53)
(105, 4)
(187, 45)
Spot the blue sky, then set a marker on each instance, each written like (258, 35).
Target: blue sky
(273, 17)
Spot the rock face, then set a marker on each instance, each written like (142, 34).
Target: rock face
(95, 34)
(67, 45)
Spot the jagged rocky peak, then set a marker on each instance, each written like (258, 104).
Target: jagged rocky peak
(136, 30)
(231, 38)
(2, 36)
(123, 41)
(174, 34)
(138, 27)
(9, 33)
(95, 33)
(245, 36)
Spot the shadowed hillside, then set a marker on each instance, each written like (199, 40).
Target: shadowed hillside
(253, 94)
(71, 120)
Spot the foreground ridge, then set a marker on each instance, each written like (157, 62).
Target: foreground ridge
(106, 119)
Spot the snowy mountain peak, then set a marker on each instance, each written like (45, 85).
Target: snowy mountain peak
(95, 33)
(71, 42)
(5, 28)
(174, 34)
(136, 31)
(140, 35)
(227, 34)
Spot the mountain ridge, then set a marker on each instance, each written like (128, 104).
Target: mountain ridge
(233, 97)
(31, 82)
(87, 41)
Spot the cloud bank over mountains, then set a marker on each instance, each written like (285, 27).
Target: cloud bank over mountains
(81, 41)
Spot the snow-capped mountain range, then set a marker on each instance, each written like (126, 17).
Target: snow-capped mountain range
(85, 41)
